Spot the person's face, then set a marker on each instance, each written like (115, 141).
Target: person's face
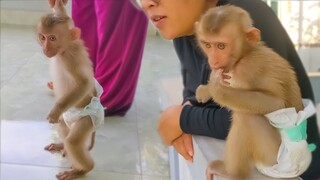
(175, 18)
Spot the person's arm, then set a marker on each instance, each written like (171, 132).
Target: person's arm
(212, 121)
(186, 92)
(208, 119)
(177, 123)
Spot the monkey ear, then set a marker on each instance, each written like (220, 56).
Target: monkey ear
(253, 35)
(75, 33)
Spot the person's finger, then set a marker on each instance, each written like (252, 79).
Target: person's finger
(51, 3)
(178, 144)
(64, 2)
(187, 140)
(169, 124)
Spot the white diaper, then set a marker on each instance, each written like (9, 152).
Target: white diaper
(294, 156)
(94, 109)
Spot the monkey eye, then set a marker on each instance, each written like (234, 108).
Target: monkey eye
(206, 44)
(52, 38)
(42, 37)
(221, 46)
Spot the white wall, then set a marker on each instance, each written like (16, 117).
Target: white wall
(25, 12)
(28, 12)
(28, 5)
(310, 57)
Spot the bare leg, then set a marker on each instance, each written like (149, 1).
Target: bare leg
(75, 145)
(63, 130)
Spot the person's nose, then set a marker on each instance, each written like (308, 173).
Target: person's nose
(148, 3)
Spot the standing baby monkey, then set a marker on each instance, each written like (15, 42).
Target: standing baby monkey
(252, 80)
(77, 109)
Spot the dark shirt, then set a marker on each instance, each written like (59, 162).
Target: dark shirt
(209, 119)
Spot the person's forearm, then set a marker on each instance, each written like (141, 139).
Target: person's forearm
(206, 121)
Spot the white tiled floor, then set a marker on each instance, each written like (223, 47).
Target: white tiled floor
(126, 147)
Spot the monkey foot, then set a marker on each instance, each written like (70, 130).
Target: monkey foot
(50, 85)
(53, 147)
(71, 174)
(216, 168)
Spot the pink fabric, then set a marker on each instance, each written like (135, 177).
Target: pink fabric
(114, 32)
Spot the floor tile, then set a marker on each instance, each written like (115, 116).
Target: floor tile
(19, 172)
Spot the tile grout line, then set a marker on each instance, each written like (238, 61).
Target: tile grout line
(138, 138)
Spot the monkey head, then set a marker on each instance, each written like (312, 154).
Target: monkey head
(225, 34)
(56, 31)
(56, 39)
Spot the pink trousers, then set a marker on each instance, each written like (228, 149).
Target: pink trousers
(114, 32)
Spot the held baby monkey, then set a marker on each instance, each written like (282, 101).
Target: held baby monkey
(77, 109)
(251, 80)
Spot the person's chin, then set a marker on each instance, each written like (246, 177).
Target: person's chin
(168, 35)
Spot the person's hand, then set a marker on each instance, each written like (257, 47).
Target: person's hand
(169, 124)
(187, 103)
(184, 146)
(52, 2)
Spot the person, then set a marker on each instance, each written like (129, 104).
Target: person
(114, 31)
(175, 20)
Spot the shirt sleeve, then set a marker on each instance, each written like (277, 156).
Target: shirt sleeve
(187, 94)
(207, 121)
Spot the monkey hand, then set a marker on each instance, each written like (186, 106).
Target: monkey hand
(202, 94)
(54, 114)
(219, 76)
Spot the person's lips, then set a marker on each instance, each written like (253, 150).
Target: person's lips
(158, 20)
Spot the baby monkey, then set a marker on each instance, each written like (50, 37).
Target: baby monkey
(77, 109)
(254, 82)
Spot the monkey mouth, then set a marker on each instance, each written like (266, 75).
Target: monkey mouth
(48, 54)
(223, 68)
(216, 66)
